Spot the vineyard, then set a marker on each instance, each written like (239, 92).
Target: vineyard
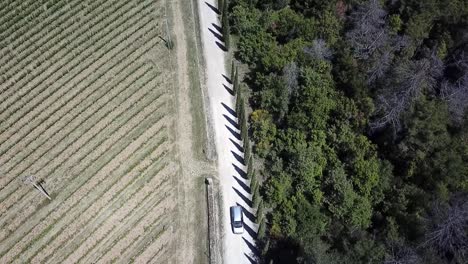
(86, 109)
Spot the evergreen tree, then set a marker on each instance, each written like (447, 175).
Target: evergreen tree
(250, 168)
(261, 229)
(243, 123)
(256, 195)
(247, 147)
(260, 212)
(253, 182)
(239, 105)
(233, 70)
(225, 24)
(235, 81)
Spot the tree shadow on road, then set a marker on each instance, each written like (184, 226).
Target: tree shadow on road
(220, 29)
(234, 133)
(217, 35)
(252, 247)
(216, 10)
(238, 158)
(230, 91)
(238, 147)
(251, 260)
(221, 46)
(247, 214)
(243, 185)
(240, 171)
(233, 123)
(229, 109)
(227, 79)
(245, 199)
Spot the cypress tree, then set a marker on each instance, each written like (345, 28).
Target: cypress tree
(225, 23)
(247, 148)
(235, 82)
(244, 124)
(239, 102)
(256, 196)
(250, 168)
(261, 230)
(260, 212)
(253, 182)
(233, 71)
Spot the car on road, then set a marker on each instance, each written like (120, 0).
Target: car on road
(237, 220)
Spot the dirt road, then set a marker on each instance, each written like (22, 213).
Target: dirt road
(234, 187)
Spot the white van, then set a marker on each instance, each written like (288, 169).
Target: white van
(237, 220)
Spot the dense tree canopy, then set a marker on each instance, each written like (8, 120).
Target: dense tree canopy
(359, 116)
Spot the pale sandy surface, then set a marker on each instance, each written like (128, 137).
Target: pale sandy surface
(235, 247)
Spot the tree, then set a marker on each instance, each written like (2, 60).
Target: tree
(253, 182)
(448, 234)
(236, 84)
(220, 5)
(409, 80)
(225, 23)
(260, 212)
(455, 92)
(263, 131)
(319, 50)
(250, 168)
(261, 229)
(369, 31)
(256, 198)
(247, 147)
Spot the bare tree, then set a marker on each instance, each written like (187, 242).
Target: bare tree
(408, 81)
(402, 255)
(382, 59)
(369, 31)
(290, 75)
(319, 50)
(449, 229)
(456, 92)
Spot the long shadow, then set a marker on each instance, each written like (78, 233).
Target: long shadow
(247, 214)
(234, 133)
(251, 246)
(242, 184)
(221, 46)
(233, 123)
(227, 79)
(230, 91)
(238, 157)
(220, 29)
(216, 10)
(241, 172)
(251, 260)
(217, 35)
(239, 147)
(251, 232)
(246, 200)
(229, 109)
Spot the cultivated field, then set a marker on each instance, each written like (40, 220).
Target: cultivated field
(87, 107)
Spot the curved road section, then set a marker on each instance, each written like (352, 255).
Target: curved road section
(237, 249)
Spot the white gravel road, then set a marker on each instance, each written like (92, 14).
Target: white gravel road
(237, 249)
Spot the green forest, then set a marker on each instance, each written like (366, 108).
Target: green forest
(358, 117)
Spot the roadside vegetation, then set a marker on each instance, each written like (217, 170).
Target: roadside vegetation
(358, 115)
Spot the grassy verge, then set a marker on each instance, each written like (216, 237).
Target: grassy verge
(201, 145)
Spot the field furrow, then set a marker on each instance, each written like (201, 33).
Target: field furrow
(135, 200)
(121, 127)
(86, 112)
(102, 118)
